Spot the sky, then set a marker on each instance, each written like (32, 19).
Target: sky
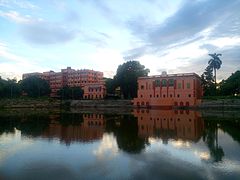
(174, 36)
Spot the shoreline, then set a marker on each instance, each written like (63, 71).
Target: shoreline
(108, 104)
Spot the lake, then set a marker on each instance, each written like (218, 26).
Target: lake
(140, 144)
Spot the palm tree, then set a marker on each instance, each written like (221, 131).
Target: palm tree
(215, 63)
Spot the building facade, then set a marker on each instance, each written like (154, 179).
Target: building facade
(169, 90)
(89, 80)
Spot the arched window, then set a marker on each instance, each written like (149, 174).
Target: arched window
(157, 83)
(171, 82)
(164, 83)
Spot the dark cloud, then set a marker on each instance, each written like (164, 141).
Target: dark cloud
(134, 54)
(104, 35)
(187, 25)
(47, 33)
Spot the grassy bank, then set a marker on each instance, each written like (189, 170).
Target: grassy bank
(46, 102)
(26, 102)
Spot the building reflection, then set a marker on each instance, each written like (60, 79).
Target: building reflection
(169, 124)
(91, 127)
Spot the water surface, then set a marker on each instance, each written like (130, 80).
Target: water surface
(144, 144)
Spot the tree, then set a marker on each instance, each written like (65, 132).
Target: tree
(215, 63)
(127, 75)
(35, 86)
(208, 81)
(9, 88)
(110, 85)
(70, 93)
(231, 86)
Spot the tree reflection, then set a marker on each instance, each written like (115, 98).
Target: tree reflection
(29, 124)
(125, 128)
(210, 137)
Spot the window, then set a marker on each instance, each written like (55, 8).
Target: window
(164, 83)
(179, 85)
(188, 85)
(171, 82)
(157, 83)
(170, 95)
(164, 95)
(157, 95)
(150, 95)
(178, 95)
(189, 95)
(142, 86)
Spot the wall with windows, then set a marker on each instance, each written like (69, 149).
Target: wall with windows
(94, 91)
(169, 90)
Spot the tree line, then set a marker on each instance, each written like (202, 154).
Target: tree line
(35, 87)
(125, 80)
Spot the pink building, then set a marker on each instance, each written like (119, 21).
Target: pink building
(84, 78)
(169, 90)
(94, 91)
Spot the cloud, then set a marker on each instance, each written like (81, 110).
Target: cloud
(39, 31)
(47, 33)
(10, 63)
(16, 17)
(193, 21)
(181, 42)
(23, 4)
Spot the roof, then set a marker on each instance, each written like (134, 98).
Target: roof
(170, 75)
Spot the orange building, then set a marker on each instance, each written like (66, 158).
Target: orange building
(169, 90)
(94, 91)
(84, 78)
(169, 124)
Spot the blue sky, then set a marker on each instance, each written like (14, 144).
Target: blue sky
(174, 36)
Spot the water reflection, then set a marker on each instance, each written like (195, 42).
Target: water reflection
(91, 144)
(168, 124)
(69, 128)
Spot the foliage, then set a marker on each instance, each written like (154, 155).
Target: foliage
(127, 75)
(208, 82)
(9, 88)
(110, 85)
(231, 86)
(70, 93)
(215, 64)
(35, 86)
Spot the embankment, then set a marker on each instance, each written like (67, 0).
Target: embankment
(220, 103)
(29, 103)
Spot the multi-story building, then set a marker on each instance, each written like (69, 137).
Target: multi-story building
(169, 90)
(89, 80)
